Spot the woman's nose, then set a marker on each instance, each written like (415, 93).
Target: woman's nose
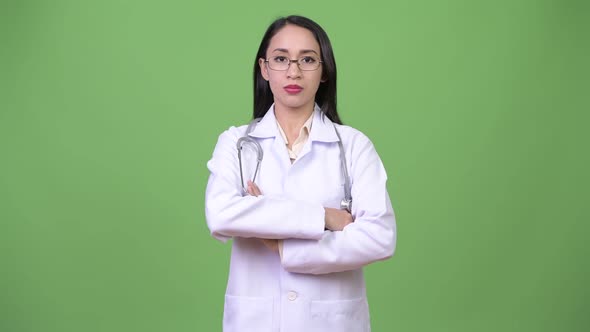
(293, 70)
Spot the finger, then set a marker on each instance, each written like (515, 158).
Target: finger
(349, 218)
(256, 190)
(266, 243)
(253, 189)
(271, 244)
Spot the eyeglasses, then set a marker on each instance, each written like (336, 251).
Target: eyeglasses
(306, 63)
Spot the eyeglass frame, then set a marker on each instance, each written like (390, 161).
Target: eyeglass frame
(289, 61)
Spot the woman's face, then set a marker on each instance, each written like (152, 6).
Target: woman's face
(292, 88)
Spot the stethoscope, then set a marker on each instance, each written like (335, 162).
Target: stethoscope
(345, 203)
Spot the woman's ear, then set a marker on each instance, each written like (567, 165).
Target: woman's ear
(263, 68)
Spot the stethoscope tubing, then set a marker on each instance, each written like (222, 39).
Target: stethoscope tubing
(259, 155)
(345, 203)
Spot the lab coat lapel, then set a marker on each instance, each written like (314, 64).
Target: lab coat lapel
(322, 130)
(267, 128)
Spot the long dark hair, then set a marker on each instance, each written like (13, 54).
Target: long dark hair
(325, 96)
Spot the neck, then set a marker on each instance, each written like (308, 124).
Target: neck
(291, 120)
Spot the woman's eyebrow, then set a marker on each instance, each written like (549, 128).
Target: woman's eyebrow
(300, 52)
(280, 50)
(308, 51)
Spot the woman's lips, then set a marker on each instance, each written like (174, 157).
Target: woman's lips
(293, 89)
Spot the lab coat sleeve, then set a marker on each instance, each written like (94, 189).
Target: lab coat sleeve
(229, 214)
(372, 235)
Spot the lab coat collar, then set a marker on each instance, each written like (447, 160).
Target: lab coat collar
(322, 129)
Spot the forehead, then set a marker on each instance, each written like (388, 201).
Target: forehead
(293, 38)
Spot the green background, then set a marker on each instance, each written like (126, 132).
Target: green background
(109, 111)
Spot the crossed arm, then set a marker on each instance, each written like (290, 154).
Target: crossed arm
(314, 239)
(335, 220)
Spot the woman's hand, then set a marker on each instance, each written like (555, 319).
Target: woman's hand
(253, 189)
(271, 244)
(337, 219)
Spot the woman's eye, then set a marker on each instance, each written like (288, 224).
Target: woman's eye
(279, 59)
(308, 59)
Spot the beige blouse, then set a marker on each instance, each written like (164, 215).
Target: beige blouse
(296, 147)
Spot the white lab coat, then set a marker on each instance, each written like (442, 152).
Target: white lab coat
(318, 284)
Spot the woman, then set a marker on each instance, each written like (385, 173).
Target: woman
(297, 257)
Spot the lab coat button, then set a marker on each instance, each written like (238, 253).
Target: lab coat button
(292, 296)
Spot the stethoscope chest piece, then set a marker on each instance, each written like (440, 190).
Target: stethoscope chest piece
(346, 204)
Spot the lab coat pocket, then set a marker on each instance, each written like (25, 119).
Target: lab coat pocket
(341, 315)
(246, 314)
